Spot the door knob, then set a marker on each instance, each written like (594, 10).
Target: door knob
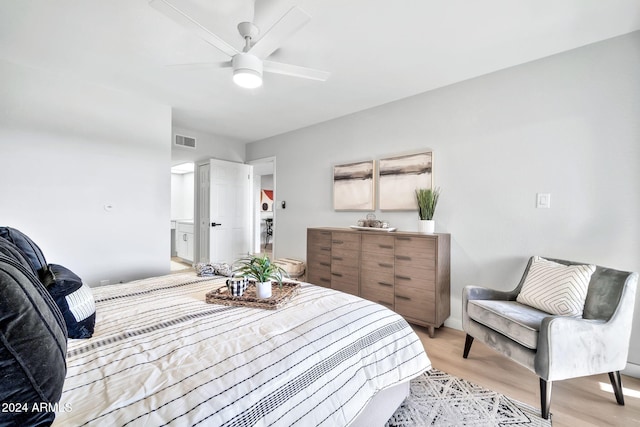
(214, 224)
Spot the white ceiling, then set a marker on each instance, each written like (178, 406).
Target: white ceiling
(377, 51)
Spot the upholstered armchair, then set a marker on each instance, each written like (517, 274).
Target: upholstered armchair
(557, 347)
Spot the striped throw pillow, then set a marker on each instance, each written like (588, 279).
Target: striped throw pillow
(556, 288)
(74, 299)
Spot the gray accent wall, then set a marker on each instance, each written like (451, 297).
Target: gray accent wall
(568, 125)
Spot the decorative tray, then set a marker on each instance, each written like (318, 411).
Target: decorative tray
(357, 227)
(279, 297)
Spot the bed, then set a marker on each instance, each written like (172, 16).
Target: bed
(161, 355)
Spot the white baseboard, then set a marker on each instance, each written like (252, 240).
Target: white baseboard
(631, 370)
(453, 323)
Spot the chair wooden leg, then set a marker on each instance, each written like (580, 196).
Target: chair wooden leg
(467, 345)
(545, 398)
(616, 382)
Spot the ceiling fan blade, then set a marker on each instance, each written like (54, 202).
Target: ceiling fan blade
(295, 71)
(196, 65)
(291, 22)
(186, 21)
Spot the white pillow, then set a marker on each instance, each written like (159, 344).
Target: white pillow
(556, 288)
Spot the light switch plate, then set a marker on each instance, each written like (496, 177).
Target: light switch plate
(543, 200)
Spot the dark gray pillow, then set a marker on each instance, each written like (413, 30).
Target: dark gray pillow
(29, 249)
(74, 299)
(33, 345)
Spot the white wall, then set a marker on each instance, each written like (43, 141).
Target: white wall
(68, 148)
(267, 182)
(208, 146)
(182, 193)
(566, 125)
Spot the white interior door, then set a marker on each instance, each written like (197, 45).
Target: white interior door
(230, 211)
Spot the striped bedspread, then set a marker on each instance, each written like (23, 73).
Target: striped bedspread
(160, 355)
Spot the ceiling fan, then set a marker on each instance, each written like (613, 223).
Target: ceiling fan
(249, 64)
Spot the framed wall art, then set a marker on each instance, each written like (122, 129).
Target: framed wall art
(400, 177)
(266, 200)
(354, 186)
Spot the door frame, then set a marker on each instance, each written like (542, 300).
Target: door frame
(257, 243)
(196, 209)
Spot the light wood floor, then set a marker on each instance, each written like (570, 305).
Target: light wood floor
(575, 402)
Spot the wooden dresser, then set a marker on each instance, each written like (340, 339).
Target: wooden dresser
(407, 272)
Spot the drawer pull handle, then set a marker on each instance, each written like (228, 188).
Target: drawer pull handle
(385, 246)
(403, 257)
(385, 265)
(326, 264)
(337, 274)
(403, 238)
(403, 277)
(402, 297)
(338, 242)
(325, 248)
(337, 258)
(324, 279)
(385, 303)
(384, 284)
(325, 232)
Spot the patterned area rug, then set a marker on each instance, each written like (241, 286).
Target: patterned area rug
(440, 399)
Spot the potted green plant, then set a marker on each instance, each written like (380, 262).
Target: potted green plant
(427, 199)
(262, 270)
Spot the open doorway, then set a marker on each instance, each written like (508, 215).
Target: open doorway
(182, 229)
(264, 207)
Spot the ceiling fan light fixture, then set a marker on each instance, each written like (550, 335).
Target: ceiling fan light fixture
(247, 71)
(248, 79)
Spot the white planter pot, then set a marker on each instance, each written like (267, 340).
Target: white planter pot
(426, 226)
(263, 289)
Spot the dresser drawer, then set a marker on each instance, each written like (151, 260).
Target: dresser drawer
(318, 241)
(345, 268)
(318, 250)
(345, 256)
(323, 236)
(345, 283)
(416, 303)
(319, 267)
(415, 278)
(319, 258)
(380, 295)
(345, 241)
(380, 291)
(424, 247)
(377, 279)
(380, 264)
(319, 278)
(415, 260)
(382, 245)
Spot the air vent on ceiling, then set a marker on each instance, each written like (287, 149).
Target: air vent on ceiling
(185, 141)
